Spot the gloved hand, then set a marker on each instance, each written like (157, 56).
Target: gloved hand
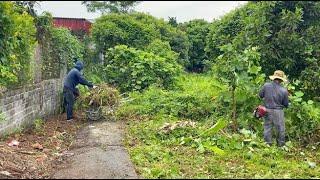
(94, 86)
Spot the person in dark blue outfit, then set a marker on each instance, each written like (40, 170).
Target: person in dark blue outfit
(275, 98)
(70, 91)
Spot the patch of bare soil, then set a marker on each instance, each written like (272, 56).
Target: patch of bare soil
(39, 152)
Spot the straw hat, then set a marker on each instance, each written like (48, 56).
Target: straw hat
(279, 75)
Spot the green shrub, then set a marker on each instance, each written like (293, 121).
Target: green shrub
(137, 30)
(115, 29)
(132, 69)
(66, 47)
(177, 39)
(196, 31)
(17, 42)
(38, 125)
(162, 49)
(302, 119)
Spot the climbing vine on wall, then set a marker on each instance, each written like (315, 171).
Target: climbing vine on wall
(17, 42)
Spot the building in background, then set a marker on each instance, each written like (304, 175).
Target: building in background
(78, 26)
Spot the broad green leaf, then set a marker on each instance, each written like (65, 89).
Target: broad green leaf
(298, 99)
(215, 150)
(186, 140)
(310, 102)
(215, 128)
(299, 94)
(122, 70)
(137, 87)
(254, 69)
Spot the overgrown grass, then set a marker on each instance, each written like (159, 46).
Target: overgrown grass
(184, 152)
(158, 156)
(193, 99)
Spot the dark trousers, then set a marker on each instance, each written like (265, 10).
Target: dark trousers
(274, 118)
(68, 98)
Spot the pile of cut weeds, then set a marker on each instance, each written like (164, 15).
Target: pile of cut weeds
(40, 151)
(100, 102)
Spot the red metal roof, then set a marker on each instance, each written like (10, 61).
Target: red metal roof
(72, 23)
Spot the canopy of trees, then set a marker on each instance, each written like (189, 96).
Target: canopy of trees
(110, 6)
(197, 31)
(138, 30)
(286, 32)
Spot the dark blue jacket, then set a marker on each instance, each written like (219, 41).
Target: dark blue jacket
(74, 77)
(274, 96)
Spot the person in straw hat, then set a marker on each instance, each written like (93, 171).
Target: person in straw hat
(275, 98)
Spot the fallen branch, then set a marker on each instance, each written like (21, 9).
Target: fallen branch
(6, 174)
(15, 169)
(27, 152)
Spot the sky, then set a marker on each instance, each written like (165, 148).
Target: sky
(182, 10)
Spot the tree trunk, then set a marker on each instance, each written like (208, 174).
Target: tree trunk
(234, 110)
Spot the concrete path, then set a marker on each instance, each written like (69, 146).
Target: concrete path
(98, 153)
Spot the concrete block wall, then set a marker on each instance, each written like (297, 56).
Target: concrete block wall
(21, 107)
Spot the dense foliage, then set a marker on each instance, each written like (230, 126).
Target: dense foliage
(162, 49)
(66, 47)
(177, 39)
(17, 41)
(196, 31)
(110, 6)
(284, 31)
(302, 118)
(137, 30)
(132, 69)
(19, 33)
(114, 29)
(59, 47)
(28, 6)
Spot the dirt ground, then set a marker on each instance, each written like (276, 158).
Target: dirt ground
(41, 152)
(67, 150)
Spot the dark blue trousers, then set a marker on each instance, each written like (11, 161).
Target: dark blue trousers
(68, 98)
(274, 118)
